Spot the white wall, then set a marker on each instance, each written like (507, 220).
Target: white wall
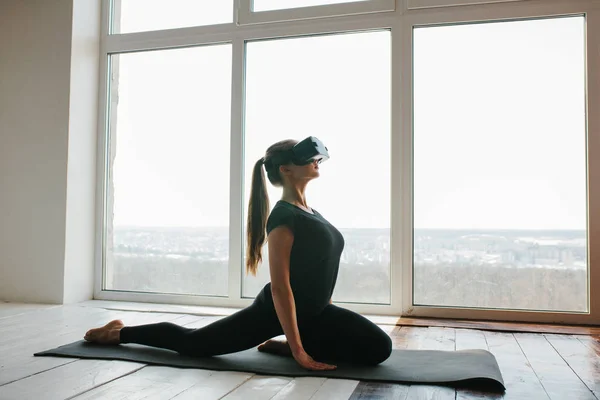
(81, 166)
(47, 133)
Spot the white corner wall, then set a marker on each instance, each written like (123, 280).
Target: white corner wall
(48, 99)
(81, 162)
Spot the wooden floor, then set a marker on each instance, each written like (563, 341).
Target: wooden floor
(534, 366)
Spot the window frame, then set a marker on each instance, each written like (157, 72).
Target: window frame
(246, 15)
(423, 4)
(400, 22)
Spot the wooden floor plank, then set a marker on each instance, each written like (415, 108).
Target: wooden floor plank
(519, 377)
(399, 337)
(335, 389)
(30, 325)
(150, 382)
(499, 326)
(67, 380)
(18, 317)
(259, 388)
(582, 360)
(434, 338)
(216, 387)
(470, 339)
(558, 379)
(56, 333)
(300, 388)
(51, 314)
(591, 342)
(13, 309)
(379, 391)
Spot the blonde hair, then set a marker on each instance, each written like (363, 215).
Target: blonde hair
(259, 206)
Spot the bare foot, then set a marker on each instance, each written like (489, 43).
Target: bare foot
(108, 334)
(278, 347)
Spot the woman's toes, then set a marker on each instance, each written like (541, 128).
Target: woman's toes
(266, 346)
(275, 347)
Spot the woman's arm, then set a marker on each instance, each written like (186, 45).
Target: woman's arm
(280, 247)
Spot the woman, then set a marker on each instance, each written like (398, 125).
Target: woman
(304, 254)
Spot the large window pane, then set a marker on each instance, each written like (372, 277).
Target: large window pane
(168, 200)
(500, 165)
(148, 15)
(267, 5)
(336, 88)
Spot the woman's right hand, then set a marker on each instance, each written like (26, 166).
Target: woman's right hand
(307, 362)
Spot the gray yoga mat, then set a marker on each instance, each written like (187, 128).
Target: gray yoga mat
(478, 367)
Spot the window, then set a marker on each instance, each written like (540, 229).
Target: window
(463, 153)
(500, 165)
(337, 88)
(147, 15)
(168, 219)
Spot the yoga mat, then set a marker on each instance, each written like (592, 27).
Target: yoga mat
(478, 367)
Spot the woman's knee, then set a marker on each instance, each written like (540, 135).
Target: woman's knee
(381, 349)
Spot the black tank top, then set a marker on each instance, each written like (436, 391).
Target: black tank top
(314, 259)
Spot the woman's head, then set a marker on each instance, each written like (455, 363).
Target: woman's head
(273, 172)
(287, 173)
(280, 175)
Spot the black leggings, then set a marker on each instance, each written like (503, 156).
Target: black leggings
(335, 335)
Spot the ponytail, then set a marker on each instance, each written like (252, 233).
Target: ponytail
(258, 210)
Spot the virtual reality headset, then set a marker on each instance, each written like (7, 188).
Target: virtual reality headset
(303, 153)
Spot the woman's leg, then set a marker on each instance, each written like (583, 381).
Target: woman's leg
(340, 335)
(240, 331)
